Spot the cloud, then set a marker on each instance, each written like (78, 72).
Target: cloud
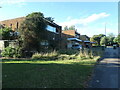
(9, 2)
(84, 21)
(90, 31)
(69, 18)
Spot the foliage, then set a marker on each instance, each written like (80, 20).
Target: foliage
(69, 28)
(110, 37)
(32, 31)
(72, 27)
(66, 28)
(97, 38)
(68, 54)
(50, 55)
(117, 39)
(104, 41)
(8, 34)
(11, 52)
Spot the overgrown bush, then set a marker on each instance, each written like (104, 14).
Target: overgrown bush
(50, 55)
(69, 54)
(11, 52)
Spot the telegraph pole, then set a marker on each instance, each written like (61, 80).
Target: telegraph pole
(105, 29)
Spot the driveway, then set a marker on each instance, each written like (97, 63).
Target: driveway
(106, 74)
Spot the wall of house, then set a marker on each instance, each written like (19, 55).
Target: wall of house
(69, 32)
(1, 45)
(84, 37)
(13, 23)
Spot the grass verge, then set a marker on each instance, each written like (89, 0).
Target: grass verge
(46, 74)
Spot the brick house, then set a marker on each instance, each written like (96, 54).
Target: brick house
(53, 35)
(70, 38)
(13, 23)
(86, 41)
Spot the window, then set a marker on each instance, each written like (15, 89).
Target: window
(3, 24)
(11, 25)
(50, 28)
(44, 42)
(17, 25)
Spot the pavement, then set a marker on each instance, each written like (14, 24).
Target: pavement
(107, 72)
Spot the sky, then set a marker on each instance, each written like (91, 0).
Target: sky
(89, 18)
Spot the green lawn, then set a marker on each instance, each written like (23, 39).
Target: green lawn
(46, 74)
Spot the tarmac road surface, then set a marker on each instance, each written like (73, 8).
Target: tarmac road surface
(107, 72)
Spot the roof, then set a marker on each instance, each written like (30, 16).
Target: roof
(84, 37)
(87, 41)
(76, 39)
(92, 42)
(25, 17)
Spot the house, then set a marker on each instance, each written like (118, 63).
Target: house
(70, 38)
(86, 41)
(53, 35)
(12, 23)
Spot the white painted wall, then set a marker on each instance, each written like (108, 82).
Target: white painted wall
(1, 44)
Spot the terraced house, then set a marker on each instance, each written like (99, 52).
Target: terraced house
(54, 30)
(72, 38)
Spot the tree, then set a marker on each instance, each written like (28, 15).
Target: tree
(65, 28)
(104, 41)
(72, 27)
(32, 31)
(117, 39)
(110, 37)
(7, 34)
(97, 38)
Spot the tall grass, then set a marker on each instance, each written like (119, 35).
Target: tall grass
(69, 54)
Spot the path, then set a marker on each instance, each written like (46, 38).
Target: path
(106, 74)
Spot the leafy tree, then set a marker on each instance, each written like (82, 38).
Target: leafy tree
(104, 41)
(117, 39)
(72, 27)
(97, 38)
(65, 28)
(8, 34)
(110, 37)
(32, 31)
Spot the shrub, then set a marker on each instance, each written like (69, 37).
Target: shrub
(11, 52)
(68, 54)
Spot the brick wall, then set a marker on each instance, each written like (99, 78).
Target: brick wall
(69, 32)
(14, 23)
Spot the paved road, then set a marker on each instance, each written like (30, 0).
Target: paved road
(107, 72)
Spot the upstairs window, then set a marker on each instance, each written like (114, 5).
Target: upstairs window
(50, 28)
(11, 25)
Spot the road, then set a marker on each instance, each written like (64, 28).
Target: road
(107, 72)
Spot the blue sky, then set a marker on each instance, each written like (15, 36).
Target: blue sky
(88, 17)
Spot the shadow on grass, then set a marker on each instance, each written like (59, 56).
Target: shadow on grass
(52, 75)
